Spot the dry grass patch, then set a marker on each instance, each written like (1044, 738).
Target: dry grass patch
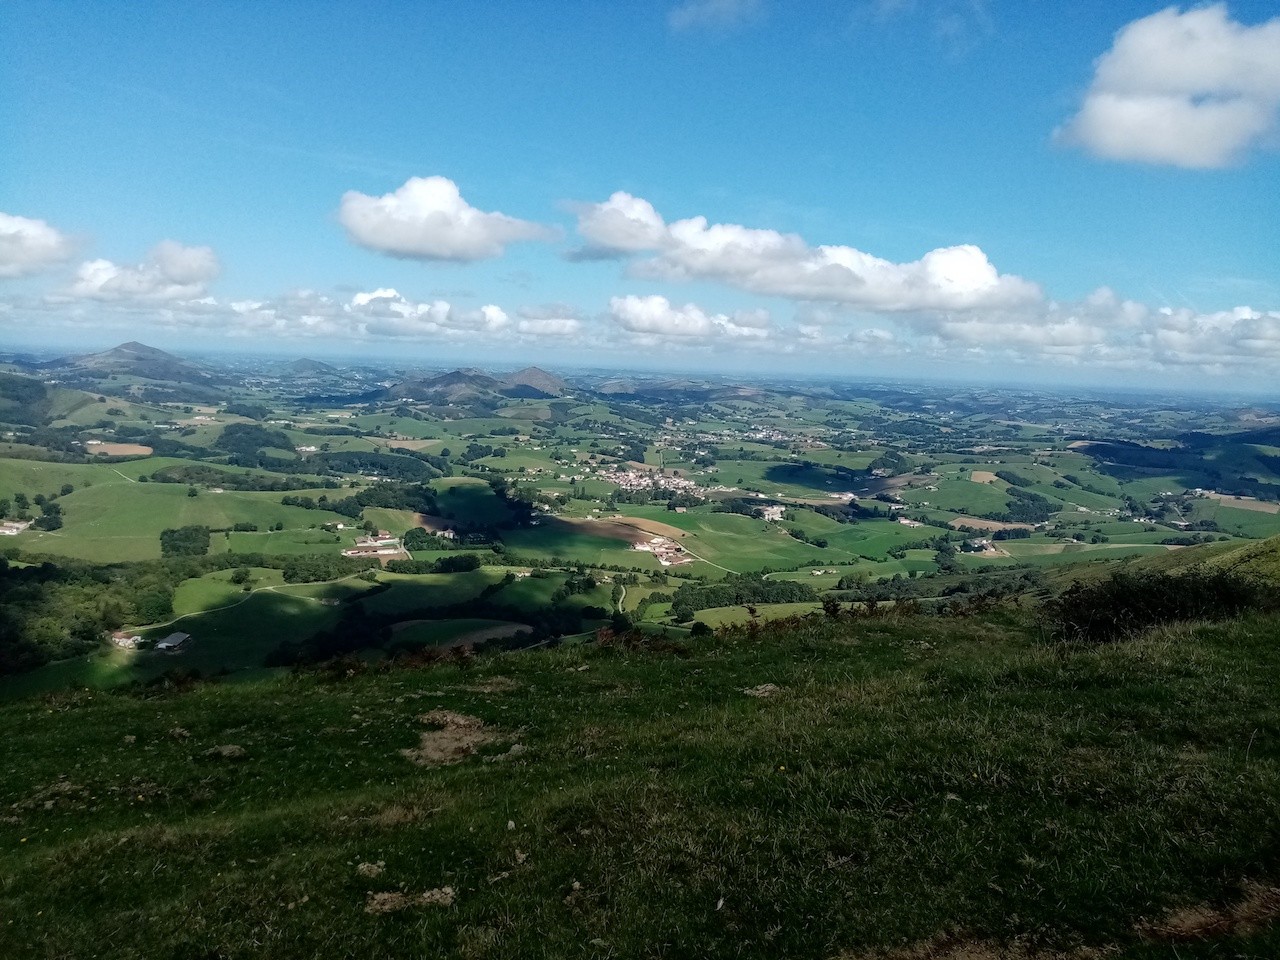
(1256, 910)
(456, 736)
(393, 902)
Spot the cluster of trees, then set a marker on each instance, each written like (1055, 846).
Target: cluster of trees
(191, 541)
(419, 539)
(1013, 479)
(245, 442)
(478, 451)
(254, 411)
(577, 583)
(416, 497)
(736, 590)
(314, 567)
(50, 511)
(1014, 533)
(1024, 507)
(459, 563)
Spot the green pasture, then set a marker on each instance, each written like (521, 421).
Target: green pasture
(725, 616)
(280, 542)
(553, 538)
(112, 522)
(410, 592)
(239, 636)
(436, 633)
(394, 521)
(469, 502)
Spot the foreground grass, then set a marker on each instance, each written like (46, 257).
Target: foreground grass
(906, 779)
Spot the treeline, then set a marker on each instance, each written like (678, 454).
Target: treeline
(199, 473)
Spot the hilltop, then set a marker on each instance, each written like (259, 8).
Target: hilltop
(459, 386)
(940, 788)
(139, 360)
(314, 368)
(536, 380)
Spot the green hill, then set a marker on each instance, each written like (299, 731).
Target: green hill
(1252, 559)
(939, 788)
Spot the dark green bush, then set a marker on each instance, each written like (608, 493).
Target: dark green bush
(1125, 604)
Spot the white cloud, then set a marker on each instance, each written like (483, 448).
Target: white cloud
(1194, 89)
(427, 219)
(778, 264)
(657, 317)
(713, 13)
(621, 225)
(549, 326)
(29, 246)
(171, 272)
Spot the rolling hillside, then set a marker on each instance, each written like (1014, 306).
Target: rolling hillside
(911, 789)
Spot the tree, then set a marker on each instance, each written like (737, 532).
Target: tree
(240, 575)
(192, 541)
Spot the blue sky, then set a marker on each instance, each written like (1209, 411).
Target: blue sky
(1098, 182)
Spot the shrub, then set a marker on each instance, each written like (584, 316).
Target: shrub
(1128, 603)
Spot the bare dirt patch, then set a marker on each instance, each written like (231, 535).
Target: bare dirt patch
(763, 691)
(431, 522)
(633, 529)
(1257, 909)
(120, 450)
(455, 737)
(1245, 503)
(979, 524)
(392, 902)
(656, 527)
(983, 476)
(610, 529)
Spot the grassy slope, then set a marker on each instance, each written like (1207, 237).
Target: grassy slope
(909, 778)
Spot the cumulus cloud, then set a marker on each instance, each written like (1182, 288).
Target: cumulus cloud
(713, 13)
(29, 246)
(777, 264)
(655, 317)
(427, 219)
(1194, 89)
(171, 271)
